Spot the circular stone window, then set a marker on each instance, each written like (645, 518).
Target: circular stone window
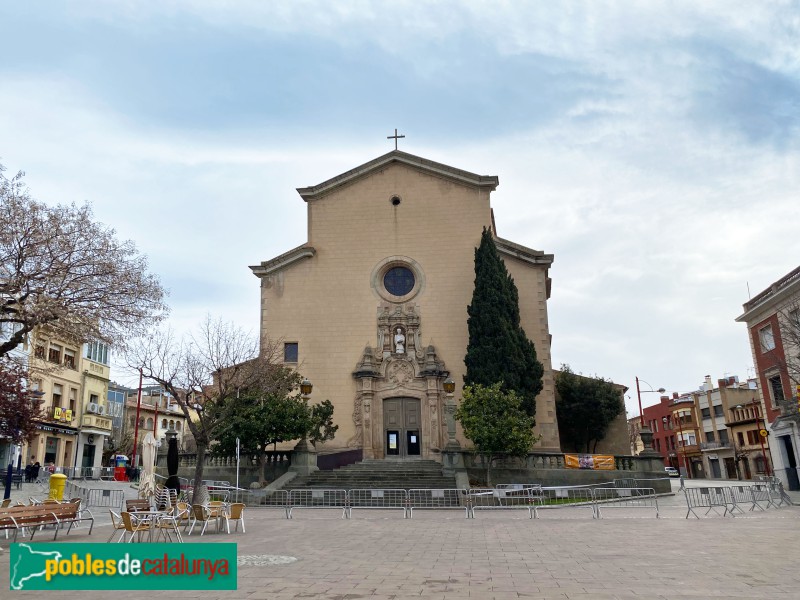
(399, 281)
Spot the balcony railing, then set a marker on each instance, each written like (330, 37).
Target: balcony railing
(714, 445)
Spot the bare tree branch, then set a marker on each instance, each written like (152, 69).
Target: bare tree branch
(58, 266)
(205, 372)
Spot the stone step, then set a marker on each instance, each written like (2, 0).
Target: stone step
(398, 486)
(377, 474)
(381, 468)
(372, 484)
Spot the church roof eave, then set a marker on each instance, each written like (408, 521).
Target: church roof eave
(487, 182)
(283, 261)
(523, 253)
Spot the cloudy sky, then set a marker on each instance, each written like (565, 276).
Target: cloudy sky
(651, 146)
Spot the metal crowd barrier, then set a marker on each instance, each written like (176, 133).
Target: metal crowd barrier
(75, 491)
(731, 498)
(377, 498)
(438, 499)
(504, 497)
(103, 473)
(530, 497)
(711, 498)
(314, 498)
(512, 493)
(272, 499)
(551, 498)
(107, 498)
(777, 491)
(744, 494)
(762, 493)
(94, 496)
(626, 483)
(634, 497)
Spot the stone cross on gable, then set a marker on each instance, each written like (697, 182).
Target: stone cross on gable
(394, 137)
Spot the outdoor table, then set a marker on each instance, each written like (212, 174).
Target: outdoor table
(219, 510)
(151, 517)
(162, 519)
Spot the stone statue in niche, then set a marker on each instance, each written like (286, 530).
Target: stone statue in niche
(399, 342)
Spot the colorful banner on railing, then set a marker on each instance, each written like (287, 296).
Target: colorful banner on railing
(589, 461)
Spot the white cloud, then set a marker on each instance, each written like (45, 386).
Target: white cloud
(658, 207)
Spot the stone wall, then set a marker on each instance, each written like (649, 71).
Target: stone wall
(549, 470)
(223, 468)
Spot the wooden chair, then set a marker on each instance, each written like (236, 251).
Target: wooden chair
(236, 514)
(134, 527)
(202, 514)
(117, 525)
(182, 513)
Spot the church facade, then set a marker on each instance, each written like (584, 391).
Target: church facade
(372, 308)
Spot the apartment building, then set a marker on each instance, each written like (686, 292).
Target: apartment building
(714, 432)
(675, 424)
(731, 439)
(96, 418)
(70, 380)
(773, 323)
(158, 412)
(56, 378)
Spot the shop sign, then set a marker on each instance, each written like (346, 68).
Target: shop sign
(62, 414)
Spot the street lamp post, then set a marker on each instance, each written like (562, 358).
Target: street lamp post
(450, 411)
(683, 447)
(136, 425)
(639, 393)
(304, 457)
(665, 423)
(644, 433)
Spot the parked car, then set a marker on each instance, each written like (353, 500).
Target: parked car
(672, 471)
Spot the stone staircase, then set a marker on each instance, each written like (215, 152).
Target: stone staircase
(378, 474)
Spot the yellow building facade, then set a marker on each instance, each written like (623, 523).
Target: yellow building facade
(72, 385)
(373, 306)
(96, 418)
(54, 366)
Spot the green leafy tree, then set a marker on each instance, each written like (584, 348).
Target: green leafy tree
(263, 421)
(498, 348)
(321, 427)
(260, 423)
(585, 407)
(207, 372)
(496, 423)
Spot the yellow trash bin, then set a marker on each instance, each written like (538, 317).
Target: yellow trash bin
(57, 483)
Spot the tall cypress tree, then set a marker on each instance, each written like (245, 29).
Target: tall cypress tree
(498, 348)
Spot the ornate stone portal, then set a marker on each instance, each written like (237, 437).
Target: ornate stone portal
(398, 368)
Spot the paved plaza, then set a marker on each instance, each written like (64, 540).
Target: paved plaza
(502, 555)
